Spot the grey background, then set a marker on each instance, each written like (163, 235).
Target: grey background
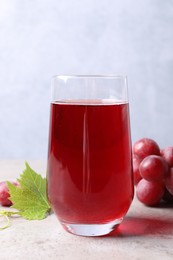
(40, 38)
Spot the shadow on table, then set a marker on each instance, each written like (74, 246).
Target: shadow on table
(132, 226)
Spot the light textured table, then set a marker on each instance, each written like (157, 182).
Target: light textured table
(146, 233)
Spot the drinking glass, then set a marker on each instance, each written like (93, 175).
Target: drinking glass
(89, 169)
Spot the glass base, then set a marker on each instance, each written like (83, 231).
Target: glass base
(91, 229)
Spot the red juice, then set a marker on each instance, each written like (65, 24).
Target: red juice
(89, 161)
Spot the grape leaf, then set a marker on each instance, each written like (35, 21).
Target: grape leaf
(30, 197)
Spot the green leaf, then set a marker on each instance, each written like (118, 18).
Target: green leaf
(30, 198)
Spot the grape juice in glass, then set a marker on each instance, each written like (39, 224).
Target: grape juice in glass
(89, 170)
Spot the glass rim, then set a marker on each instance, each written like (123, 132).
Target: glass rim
(89, 76)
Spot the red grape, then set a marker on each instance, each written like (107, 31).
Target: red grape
(150, 193)
(4, 193)
(136, 174)
(145, 147)
(167, 154)
(153, 168)
(169, 181)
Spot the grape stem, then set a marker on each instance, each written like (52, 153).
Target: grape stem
(6, 214)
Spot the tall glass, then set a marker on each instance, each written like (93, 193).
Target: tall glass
(89, 170)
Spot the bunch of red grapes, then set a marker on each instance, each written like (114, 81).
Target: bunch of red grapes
(153, 172)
